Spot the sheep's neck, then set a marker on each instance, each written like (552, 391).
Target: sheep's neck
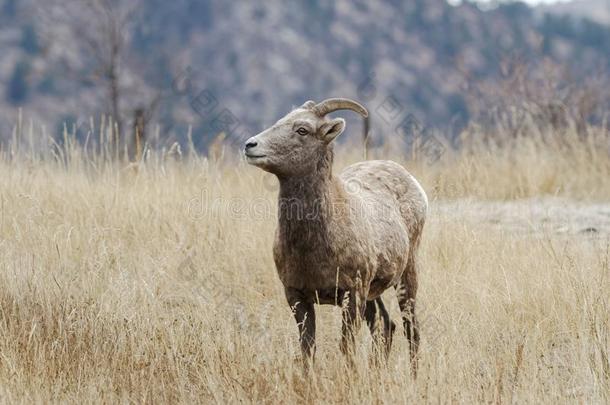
(307, 203)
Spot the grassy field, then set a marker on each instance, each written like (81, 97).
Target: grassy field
(154, 282)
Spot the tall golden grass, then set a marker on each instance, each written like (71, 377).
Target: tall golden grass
(154, 282)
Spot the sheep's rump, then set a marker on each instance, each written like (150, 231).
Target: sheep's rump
(392, 209)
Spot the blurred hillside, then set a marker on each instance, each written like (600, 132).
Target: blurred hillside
(187, 61)
(596, 10)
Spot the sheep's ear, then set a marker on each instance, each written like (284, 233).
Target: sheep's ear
(332, 129)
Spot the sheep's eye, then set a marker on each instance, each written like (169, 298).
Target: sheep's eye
(302, 131)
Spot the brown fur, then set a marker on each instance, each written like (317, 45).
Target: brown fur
(343, 239)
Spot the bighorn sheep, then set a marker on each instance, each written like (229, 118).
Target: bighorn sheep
(343, 239)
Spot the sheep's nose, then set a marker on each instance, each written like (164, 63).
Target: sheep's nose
(251, 143)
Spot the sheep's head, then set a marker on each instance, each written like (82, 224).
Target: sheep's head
(294, 144)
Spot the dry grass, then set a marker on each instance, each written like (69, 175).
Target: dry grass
(142, 284)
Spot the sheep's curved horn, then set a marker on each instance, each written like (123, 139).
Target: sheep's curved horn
(334, 104)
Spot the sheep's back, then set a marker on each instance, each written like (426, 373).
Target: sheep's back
(385, 178)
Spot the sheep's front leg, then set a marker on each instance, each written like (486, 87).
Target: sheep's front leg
(305, 316)
(353, 311)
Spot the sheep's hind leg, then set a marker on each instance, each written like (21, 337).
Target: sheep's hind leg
(382, 339)
(406, 291)
(305, 316)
